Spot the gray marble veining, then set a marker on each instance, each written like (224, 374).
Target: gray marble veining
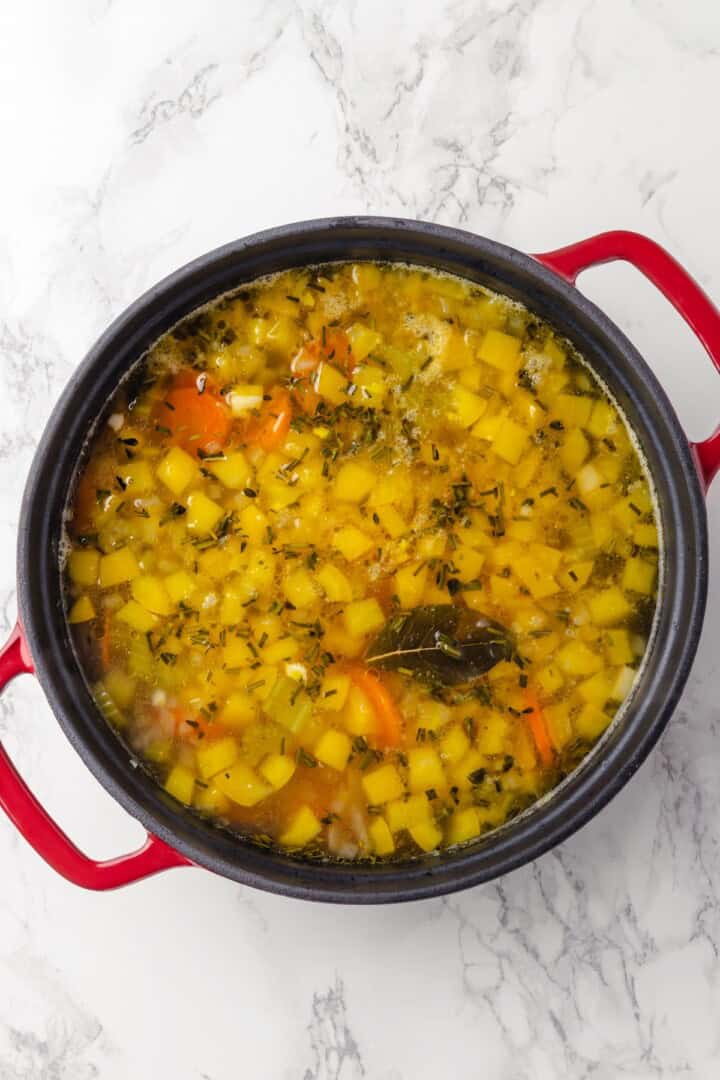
(138, 135)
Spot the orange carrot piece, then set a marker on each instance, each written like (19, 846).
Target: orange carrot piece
(386, 711)
(195, 413)
(269, 429)
(538, 728)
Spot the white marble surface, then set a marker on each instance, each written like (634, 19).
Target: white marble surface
(137, 135)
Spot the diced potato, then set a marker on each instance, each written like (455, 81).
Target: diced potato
(302, 828)
(488, 426)
(392, 522)
(639, 576)
(609, 606)
(402, 813)
(179, 586)
(213, 757)
(619, 649)
(299, 588)
(380, 836)
(245, 397)
(366, 276)
(577, 659)
(363, 341)
(574, 451)
(253, 524)
(410, 583)
(150, 592)
(239, 710)
(277, 769)
(211, 800)
(137, 477)
(466, 408)
(359, 714)
(557, 718)
(510, 441)
(501, 351)
(382, 784)
(596, 689)
(242, 785)
(425, 770)
(535, 577)
(576, 576)
(334, 690)
(589, 479)
(464, 825)
(549, 679)
(178, 470)
(591, 722)
(354, 482)
(426, 835)
(137, 617)
(117, 567)
(434, 715)
(573, 409)
(454, 744)
(334, 584)
(81, 611)
(232, 471)
(83, 566)
(333, 748)
(467, 563)
(363, 617)
(203, 514)
(603, 420)
(180, 783)
(330, 384)
(352, 543)
(371, 385)
(623, 683)
(645, 536)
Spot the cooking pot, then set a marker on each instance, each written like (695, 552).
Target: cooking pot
(680, 469)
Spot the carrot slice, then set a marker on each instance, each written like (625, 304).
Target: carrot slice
(538, 728)
(269, 429)
(386, 711)
(195, 414)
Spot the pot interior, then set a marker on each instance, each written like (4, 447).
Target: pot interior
(661, 441)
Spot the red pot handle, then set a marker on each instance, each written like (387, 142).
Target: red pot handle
(48, 839)
(672, 280)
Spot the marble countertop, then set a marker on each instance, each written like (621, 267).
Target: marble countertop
(138, 135)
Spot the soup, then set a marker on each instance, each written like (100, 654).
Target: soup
(363, 561)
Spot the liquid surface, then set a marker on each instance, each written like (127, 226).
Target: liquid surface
(363, 562)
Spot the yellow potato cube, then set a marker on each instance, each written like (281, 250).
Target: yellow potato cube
(557, 718)
(380, 836)
(488, 426)
(151, 593)
(466, 408)
(591, 722)
(334, 584)
(575, 576)
(573, 409)
(501, 351)
(464, 825)
(576, 658)
(596, 689)
(454, 744)
(213, 757)
(81, 611)
(352, 543)
(179, 586)
(280, 652)
(382, 784)
(359, 715)
(211, 800)
(619, 649)
(302, 828)
(623, 683)
(574, 451)
(117, 567)
(233, 471)
(180, 784)
(589, 479)
(603, 420)
(425, 770)
(392, 522)
(549, 680)
(609, 606)
(371, 385)
(362, 617)
(245, 397)
(333, 748)
(426, 835)
(239, 711)
(137, 617)
(402, 813)
(363, 341)
(334, 690)
(277, 769)
(510, 441)
(178, 470)
(300, 589)
(83, 566)
(242, 785)
(253, 524)
(330, 384)
(137, 477)
(645, 536)
(203, 514)
(467, 563)
(410, 583)
(639, 576)
(535, 577)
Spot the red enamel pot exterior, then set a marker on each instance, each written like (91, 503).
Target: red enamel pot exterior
(681, 472)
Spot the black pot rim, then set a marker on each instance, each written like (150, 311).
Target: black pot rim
(681, 606)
